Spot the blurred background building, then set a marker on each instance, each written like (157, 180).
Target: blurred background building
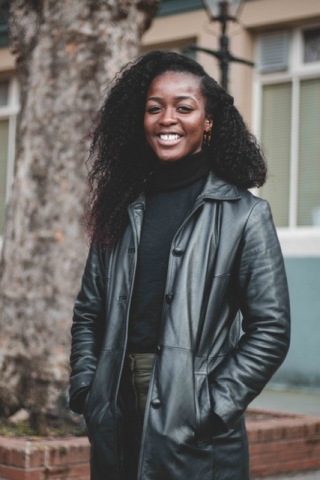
(280, 100)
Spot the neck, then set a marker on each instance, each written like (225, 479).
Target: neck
(180, 173)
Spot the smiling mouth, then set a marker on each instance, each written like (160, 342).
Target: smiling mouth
(169, 137)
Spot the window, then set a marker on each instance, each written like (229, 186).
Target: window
(311, 45)
(8, 112)
(170, 7)
(4, 16)
(288, 121)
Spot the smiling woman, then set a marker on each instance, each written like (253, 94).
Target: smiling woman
(179, 249)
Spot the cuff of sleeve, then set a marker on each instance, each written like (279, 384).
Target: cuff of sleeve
(77, 402)
(218, 425)
(78, 383)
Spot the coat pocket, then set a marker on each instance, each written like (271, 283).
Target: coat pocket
(202, 406)
(208, 424)
(95, 414)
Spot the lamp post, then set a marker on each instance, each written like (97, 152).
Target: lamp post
(223, 12)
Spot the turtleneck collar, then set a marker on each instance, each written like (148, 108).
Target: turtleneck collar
(180, 173)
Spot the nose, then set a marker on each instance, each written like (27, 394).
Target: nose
(168, 117)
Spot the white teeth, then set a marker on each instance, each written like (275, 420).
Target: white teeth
(169, 136)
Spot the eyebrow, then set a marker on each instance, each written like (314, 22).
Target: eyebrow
(180, 97)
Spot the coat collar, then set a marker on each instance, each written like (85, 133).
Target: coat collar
(215, 188)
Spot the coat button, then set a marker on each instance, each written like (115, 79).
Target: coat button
(156, 403)
(169, 297)
(177, 252)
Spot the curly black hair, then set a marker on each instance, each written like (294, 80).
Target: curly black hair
(119, 155)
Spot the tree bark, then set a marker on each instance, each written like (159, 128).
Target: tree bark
(67, 51)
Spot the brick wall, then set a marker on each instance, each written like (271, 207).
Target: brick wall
(279, 443)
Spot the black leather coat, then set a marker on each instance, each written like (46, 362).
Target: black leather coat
(225, 259)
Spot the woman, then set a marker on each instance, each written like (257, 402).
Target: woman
(179, 248)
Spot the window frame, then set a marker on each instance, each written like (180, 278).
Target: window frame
(10, 112)
(295, 240)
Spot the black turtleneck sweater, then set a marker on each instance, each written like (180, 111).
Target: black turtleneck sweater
(172, 194)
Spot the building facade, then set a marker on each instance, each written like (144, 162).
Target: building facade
(280, 101)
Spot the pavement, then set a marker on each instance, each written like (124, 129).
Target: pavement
(305, 402)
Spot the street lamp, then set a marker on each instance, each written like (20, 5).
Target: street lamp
(223, 12)
(226, 9)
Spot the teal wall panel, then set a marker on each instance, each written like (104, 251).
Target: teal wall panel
(302, 364)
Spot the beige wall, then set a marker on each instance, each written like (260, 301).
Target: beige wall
(262, 14)
(179, 30)
(7, 61)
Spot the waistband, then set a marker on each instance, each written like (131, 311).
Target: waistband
(139, 361)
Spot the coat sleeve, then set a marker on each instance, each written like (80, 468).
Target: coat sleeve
(86, 330)
(264, 303)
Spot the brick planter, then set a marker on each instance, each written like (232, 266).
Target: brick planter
(44, 459)
(279, 443)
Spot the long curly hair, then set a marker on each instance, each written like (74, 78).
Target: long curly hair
(120, 158)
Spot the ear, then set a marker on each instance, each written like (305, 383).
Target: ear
(208, 123)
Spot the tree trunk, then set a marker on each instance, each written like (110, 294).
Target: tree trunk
(67, 51)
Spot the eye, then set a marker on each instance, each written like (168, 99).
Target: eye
(184, 109)
(153, 109)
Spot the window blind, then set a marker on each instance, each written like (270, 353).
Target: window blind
(309, 153)
(275, 138)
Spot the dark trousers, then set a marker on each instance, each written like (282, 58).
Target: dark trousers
(133, 394)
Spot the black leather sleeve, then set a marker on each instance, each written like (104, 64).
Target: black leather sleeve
(264, 303)
(87, 328)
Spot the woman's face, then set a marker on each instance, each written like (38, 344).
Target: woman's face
(175, 117)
